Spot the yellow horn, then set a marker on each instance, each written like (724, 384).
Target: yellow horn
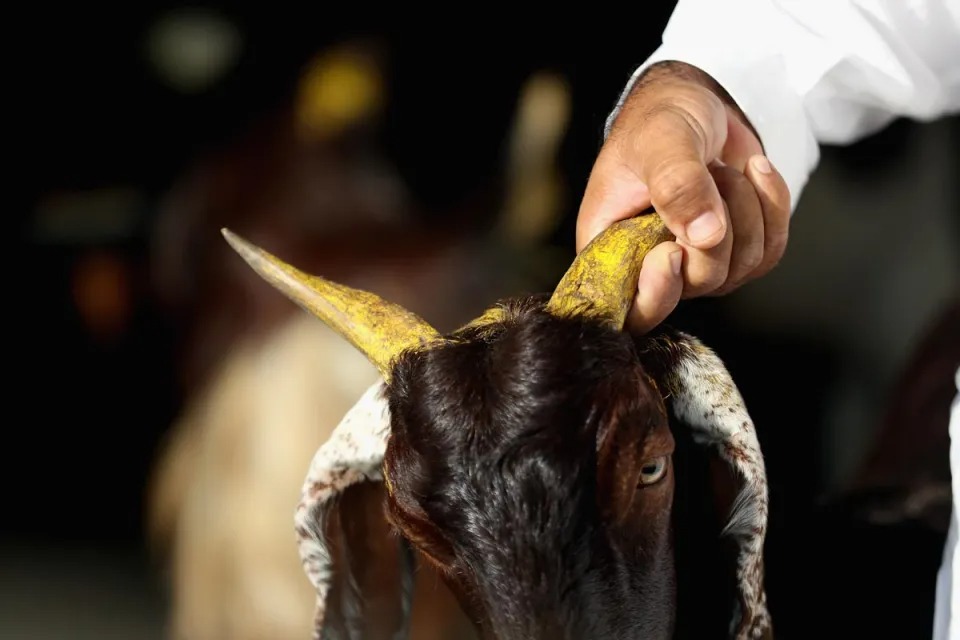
(379, 329)
(602, 280)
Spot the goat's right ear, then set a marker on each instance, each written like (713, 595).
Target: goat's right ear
(361, 571)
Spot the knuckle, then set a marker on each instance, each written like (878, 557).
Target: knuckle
(781, 196)
(750, 258)
(776, 244)
(679, 185)
(716, 279)
(731, 180)
(742, 199)
(776, 202)
(728, 287)
(707, 280)
(770, 261)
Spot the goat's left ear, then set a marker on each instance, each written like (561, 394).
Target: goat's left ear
(362, 572)
(702, 395)
(371, 576)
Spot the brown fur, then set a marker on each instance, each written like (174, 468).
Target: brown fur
(515, 462)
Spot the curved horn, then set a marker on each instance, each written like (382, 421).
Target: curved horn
(602, 280)
(379, 329)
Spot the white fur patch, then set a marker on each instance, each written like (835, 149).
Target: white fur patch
(706, 398)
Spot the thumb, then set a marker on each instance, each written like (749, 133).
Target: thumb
(670, 154)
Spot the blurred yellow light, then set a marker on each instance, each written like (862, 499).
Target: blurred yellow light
(337, 90)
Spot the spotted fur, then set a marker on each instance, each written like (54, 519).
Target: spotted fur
(704, 397)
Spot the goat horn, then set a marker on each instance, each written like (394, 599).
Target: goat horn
(377, 328)
(602, 279)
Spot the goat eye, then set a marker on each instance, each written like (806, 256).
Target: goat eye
(652, 471)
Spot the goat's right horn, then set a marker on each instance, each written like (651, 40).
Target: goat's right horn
(379, 329)
(602, 280)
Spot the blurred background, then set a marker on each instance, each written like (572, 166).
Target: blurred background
(166, 402)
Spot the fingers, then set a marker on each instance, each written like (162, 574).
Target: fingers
(746, 221)
(759, 205)
(658, 289)
(706, 270)
(741, 144)
(774, 196)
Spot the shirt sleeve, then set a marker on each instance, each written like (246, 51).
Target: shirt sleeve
(810, 72)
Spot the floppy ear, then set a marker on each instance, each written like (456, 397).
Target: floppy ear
(371, 569)
(701, 394)
(361, 571)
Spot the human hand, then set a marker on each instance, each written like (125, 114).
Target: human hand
(681, 145)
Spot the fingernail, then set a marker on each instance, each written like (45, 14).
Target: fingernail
(676, 259)
(703, 227)
(761, 164)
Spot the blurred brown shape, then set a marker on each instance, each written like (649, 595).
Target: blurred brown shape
(264, 383)
(906, 475)
(100, 284)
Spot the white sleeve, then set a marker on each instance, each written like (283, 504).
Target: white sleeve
(810, 72)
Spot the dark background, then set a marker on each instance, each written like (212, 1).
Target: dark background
(816, 347)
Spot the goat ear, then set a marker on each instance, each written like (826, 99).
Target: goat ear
(371, 575)
(703, 396)
(362, 573)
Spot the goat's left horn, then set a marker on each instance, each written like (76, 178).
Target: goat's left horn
(379, 329)
(602, 280)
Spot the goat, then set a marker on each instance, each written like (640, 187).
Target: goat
(527, 456)
(253, 368)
